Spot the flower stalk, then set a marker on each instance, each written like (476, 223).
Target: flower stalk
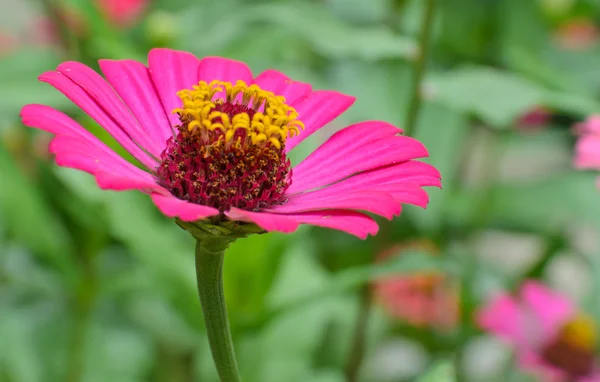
(211, 242)
(209, 272)
(419, 67)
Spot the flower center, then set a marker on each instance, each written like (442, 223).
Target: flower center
(228, 151)
(573, 348)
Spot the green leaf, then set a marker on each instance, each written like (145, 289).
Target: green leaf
(546, 205)
(578, 105)
(496, 97)
(441, 372)
(320, 28)
(19, 357)
(249, 272)
(117, 353)
(443, 131)
(298, 276)
(165, 250)
(296, 334)
(19, 77)
(32, 220)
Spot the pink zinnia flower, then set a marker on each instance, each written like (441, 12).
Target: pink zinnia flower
(212, 142)
(122, 12)
(577, 35)
(534, 119)
(551, 337)
(587, 149)
(424, 299)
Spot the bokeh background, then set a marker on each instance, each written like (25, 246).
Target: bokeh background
(99, 286)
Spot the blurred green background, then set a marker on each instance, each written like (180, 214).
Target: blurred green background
(99, 286)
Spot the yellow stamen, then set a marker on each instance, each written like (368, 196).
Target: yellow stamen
(580, 332)
(274, 124)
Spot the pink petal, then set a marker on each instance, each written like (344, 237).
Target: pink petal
(223, 69)
(412, 172)
(590, 126)
(266, 221)
(316, 110)
(550, 309)
(595, 377)
(132, 82)
(186, 211)
(354, 223)
(75, 147)
(502, 317)
(282, 85)
(172, 71)
(102, 93)
(337, 158)
(377, 202)
(402, 184)
(587, 152)
(82, 99)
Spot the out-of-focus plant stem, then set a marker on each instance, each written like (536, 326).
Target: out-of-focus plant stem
(357, 351)
(496, 142)
(84, 302)
(420, 64)
(210, 254)
(68, 40)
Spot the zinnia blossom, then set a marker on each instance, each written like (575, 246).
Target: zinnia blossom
(534, 119)
(587, 149)
(550, 335)
(424, 299)
(122, 12)
(212, 143)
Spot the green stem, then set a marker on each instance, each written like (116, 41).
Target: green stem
(357, 351)
(210, 254)
(84, 302)
(419, 68)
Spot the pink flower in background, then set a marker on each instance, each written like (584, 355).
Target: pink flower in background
(577, 35)
(8, 43)
(425, 299)
(550, 336)
(534, 119)
(212, 142)
(587, 148)
(122, 12)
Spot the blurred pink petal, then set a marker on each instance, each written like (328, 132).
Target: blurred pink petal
(551, 309)
(551, 338)
(423, 299)
(587, 148)
(122, 12)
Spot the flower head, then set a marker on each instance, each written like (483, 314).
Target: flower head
(551, 337)
(426, 299)
(587, 149)
(212, 144)
(122, 12)
(534, 119)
